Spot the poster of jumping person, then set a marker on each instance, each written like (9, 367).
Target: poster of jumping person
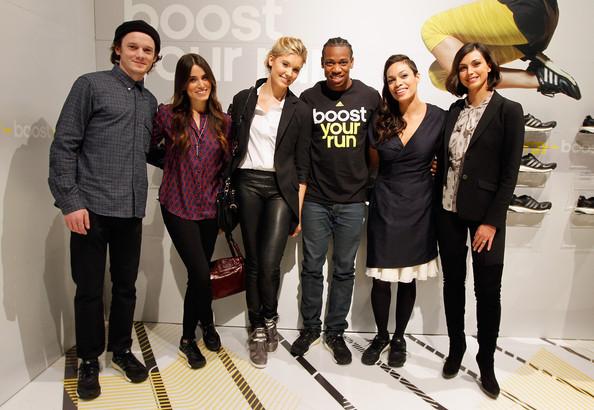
(511, 29)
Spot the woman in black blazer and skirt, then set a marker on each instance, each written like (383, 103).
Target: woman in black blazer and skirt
(271, 128)
(478, 169)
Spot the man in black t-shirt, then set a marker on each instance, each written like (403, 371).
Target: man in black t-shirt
(334, 205)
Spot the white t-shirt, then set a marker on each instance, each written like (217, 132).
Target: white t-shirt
(262, 142)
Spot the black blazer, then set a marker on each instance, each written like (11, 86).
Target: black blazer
(291, 155)
(491, 164)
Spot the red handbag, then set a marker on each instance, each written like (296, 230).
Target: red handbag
(227, 275)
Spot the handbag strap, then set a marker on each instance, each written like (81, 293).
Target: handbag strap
(235, 145)
(233, 246)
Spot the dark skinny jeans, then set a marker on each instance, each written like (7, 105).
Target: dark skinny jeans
(194, 242)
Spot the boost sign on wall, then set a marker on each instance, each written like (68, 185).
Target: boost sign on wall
(233, 36)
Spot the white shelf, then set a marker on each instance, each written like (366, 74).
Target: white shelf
(536, 138)
(532, 179)
(524, 219)
(582, 220)
(585, 140)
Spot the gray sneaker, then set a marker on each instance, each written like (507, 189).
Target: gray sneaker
(271, 335)
(257, 348)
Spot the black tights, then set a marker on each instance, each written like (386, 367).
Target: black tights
(265, 220)
(194, 242)
(381, 296)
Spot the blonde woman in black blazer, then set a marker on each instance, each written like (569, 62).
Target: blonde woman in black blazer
(478, 169)
(272, 128)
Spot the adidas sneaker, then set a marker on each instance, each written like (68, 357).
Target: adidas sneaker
(588, 125)
(527, 204)
(531, 123)
(529, 163)
(585, 205)
(552, 79)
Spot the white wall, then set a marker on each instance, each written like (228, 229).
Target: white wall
(548, 279)
(45, 46)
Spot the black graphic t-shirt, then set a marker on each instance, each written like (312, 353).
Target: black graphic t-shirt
(338, 170)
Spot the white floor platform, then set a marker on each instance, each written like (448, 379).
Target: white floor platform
(532, 373)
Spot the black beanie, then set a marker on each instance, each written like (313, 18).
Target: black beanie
(141, 26)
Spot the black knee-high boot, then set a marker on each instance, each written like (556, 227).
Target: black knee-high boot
(454, 295)
(487, 289)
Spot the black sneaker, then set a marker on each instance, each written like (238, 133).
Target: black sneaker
(527, 204)
(397, 355)
(552, 79)
(87, 387)
(531, 123)
(377, 346)
(529, 163)
(341, 353)
(588, 125)
(307, 338)
(585, 205)
(211, 338)
(189, 350)
(127, 364)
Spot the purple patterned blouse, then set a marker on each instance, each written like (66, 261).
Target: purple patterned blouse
(191, 180)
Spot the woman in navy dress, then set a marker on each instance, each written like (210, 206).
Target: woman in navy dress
(401, 241)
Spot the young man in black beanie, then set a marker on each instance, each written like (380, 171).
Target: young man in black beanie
(98, 178)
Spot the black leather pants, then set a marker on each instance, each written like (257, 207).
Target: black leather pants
(265, 220)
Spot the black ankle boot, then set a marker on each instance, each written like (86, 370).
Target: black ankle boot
(454, 359)
(488, 382)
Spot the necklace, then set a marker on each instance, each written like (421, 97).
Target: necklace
(199, 137)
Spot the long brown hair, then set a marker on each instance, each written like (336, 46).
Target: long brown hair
(390, 122)
(182, 107)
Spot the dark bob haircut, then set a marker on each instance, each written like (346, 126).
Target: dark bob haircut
(453, 83)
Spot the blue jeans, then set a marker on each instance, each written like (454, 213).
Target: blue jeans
(344, 223)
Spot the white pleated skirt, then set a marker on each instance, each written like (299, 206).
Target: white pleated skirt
(406, 274)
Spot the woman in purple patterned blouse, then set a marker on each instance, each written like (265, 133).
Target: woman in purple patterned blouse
(195, 132)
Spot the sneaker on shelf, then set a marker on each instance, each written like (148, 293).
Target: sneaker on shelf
(552, 79)
(585, 205)
(272, 337)
(189, 350)
(130, 367)
(531, 123)
(335, 344)
(529, 163)
(257, 348)
(527, 204)
(87, 387)
(211, 338)
(307, 338)
(377, 346)
(588, 125)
